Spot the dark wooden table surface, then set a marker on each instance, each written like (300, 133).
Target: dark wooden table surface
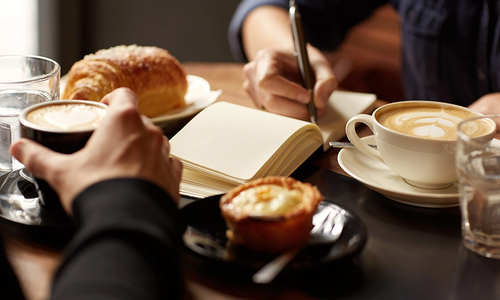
(411, 252)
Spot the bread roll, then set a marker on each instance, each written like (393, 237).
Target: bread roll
(157, 78)
(271, 214)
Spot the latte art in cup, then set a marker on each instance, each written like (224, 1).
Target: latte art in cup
(428, 122)
(67, 116)
(417, 139)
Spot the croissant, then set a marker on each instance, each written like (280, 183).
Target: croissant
(158, 79)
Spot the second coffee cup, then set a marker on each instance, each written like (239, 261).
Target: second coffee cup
(63, 126)
(416, 139)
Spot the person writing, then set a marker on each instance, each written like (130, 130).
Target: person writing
(121, 190)
(450, 50)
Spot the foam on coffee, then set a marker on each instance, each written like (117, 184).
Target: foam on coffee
(432, 122)
(67, 116)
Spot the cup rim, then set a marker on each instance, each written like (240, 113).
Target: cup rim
(26, 123)
(56, 69)
(469, 139)
(478, 114)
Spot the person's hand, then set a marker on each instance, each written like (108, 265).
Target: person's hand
(487, 104)
(273, 82)
(126, 144)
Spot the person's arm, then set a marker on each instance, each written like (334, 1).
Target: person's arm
(266, 27)
(272, 75)
(125, 246)
(487, 104)
(126, 187)
(260, 32)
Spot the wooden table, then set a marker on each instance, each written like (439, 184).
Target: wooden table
(411, 252)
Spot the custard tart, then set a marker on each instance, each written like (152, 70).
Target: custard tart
(271, 214)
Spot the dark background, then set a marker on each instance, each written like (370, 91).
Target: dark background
(196, 31)
(192, 30)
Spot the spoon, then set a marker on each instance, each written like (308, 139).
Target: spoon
(328, 224)
(347, 145)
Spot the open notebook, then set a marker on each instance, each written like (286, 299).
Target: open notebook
(227, 144)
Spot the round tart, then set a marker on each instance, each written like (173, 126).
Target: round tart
(271, 214)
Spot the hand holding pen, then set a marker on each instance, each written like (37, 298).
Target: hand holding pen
(273, 79)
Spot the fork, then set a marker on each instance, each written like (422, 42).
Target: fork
(328, 224)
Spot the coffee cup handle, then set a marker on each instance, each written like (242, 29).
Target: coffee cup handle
(353, 136)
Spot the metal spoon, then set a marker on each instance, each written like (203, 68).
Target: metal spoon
(347, 145)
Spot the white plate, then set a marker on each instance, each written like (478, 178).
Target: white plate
(383, 180)
(197, 98)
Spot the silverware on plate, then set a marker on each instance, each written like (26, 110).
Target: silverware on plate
(328, 224)
(347, 145)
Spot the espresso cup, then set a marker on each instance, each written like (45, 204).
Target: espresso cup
(417, 139)
(63, 126)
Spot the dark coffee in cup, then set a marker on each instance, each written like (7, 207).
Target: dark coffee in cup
(63, 126)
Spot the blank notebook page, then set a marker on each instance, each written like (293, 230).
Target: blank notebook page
(232, 139)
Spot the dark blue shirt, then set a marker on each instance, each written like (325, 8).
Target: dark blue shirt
(450, 48)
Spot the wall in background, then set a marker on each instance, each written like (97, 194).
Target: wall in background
(192, 30)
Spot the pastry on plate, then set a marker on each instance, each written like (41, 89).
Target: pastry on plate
(271, 214)
(158, 79)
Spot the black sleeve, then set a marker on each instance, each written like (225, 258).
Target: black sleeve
(125, 246)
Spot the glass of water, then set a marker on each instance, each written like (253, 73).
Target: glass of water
(478, 167)
(24, 81)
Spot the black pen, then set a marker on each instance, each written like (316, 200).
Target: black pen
(302, 57)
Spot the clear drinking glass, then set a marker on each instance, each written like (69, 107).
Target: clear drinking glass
(478, 167)
(24, 81)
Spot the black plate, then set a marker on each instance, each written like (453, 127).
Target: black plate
(205, 237)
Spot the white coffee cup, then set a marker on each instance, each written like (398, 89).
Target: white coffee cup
(417, 139)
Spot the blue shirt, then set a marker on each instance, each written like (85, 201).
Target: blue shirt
(450, 48)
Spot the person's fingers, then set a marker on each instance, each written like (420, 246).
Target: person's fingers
(122, 117)
(276, 104)
(166, 146)
(324, 87)
(277, 73)
(174, 167)
(286, 107)
(39, 160)
(279, 86)
(178, 167)
(148, 123)
(247, 86)
(121, 96)
(175, 163)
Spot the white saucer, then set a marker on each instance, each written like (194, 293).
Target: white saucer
(383, 180)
